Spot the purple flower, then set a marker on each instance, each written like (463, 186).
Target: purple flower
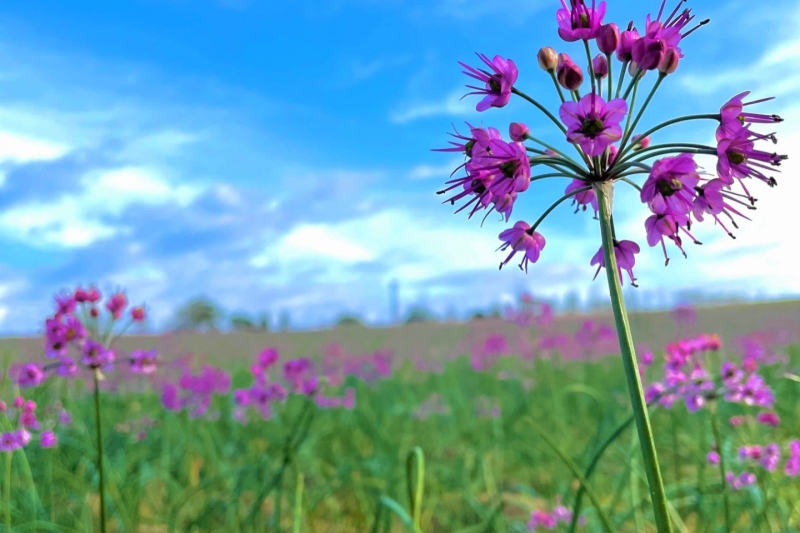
(9, 442)
(568, 74)
(626, 40)
(30, 375)
(667, 225)
(67, 367)
(608, 38)
(498, 85)
(593, 123)
(48, 439)
(579, 22)
(738, 158)
(710, 199)
(95, 355)
(519, 239)
(712, 458)
(143, 361)
(582, 199)
(733, 119)
(670, 186)
(600, 66)
(624, 252)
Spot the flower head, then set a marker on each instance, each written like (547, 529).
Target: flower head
(498, 84)
(143, 361)
(669, 188)
(592, 123)
(579, 22)
(519, 239)
(624, 252)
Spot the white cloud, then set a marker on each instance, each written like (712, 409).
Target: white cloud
(450, 105)
(441, 172)
(75, 220)
(22, 148)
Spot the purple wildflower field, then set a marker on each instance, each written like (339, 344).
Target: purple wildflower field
(533, 420)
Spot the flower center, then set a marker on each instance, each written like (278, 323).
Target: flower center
(583, 21)
(494, 83)
(737, 158)
(592, 126)
(468, 147)
(478, 187)
(668, 187)
(509, 168)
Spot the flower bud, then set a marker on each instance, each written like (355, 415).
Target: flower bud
(608, 38)
(639, 144)
(548, 59)
(518, 131)
(569, 74)
(633, 68)
(94, 312)
(625, 47)
(600, 66)
(648, 52)
(137, 314)
(669, 63)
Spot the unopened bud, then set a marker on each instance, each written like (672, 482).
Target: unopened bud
(625, 47)
(669, 63)
(600, 66)
(569, 74)
(548, 59)
(639, 143)
(608, 38)
(518, 131)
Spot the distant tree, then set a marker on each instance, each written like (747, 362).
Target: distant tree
(284, 321)
(263, 321)
(241, 322)
(418, 314)
(198, 313)
(349, 319)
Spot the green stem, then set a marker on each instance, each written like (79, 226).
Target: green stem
(630, 114)
(555, 204)
(629, 131)
(8, 491)
(608, 61)
(591, 65)
(99, 450)
(718, 440)
(621, 77)
(541, 108)
(604, 192)
(638, 75)
(708, 116)
(558, 86)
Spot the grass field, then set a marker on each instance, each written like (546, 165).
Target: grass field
(492, 424)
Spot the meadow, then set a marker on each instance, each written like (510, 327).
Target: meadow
(491, 425)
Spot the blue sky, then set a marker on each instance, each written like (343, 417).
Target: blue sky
(276, 155)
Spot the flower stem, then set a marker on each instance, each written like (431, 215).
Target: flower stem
(608, 61)
(558, 86)
(591, 65)
(621, 76)
(655, 147)
(634, 80)
(604, 192)
(8, 491)
(725, 499)
(541, 108)
(99, 450)
(629, 131)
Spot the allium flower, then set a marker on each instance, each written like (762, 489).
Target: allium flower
(95, 355)
(733, 119)
(498, 85)
(608, 38)
(30, 375)
(581, 199)
(626, 40)
(568, 74)
(579, 22)
(9, 442)
(624, 252)
(600, 67)
(116, 305)
(67, 367)
(711, 200)
(519, 239)
(48, 439)
(738, 158)
(518, 131)
(143, 361)
(712, 458)
(592, 123)
(669, 188)
(138, 314)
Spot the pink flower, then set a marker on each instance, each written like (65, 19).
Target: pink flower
(498, 85)
(143, 361)
(582, 199)
(116, 304)
(138, 314)
(95, 355)
(48, 439)
(9, 442)
(30, 375)
(518, 131)
(568, 74)
(738, 158)
(659, 226)
(769, 419)
(626, 40)
(593, 123)
(710, 199)
(624, 252)
(519, 239)
(600, 66)
(733, 119)
(712, 458)
(608, 38)
(579, 22)
(670, 186)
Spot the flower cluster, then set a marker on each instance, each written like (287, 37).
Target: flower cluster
(686, 377)
(21, 414)
(77, 335)
(194, 393)
(550, 520)
(337, 364)
(675, 190)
